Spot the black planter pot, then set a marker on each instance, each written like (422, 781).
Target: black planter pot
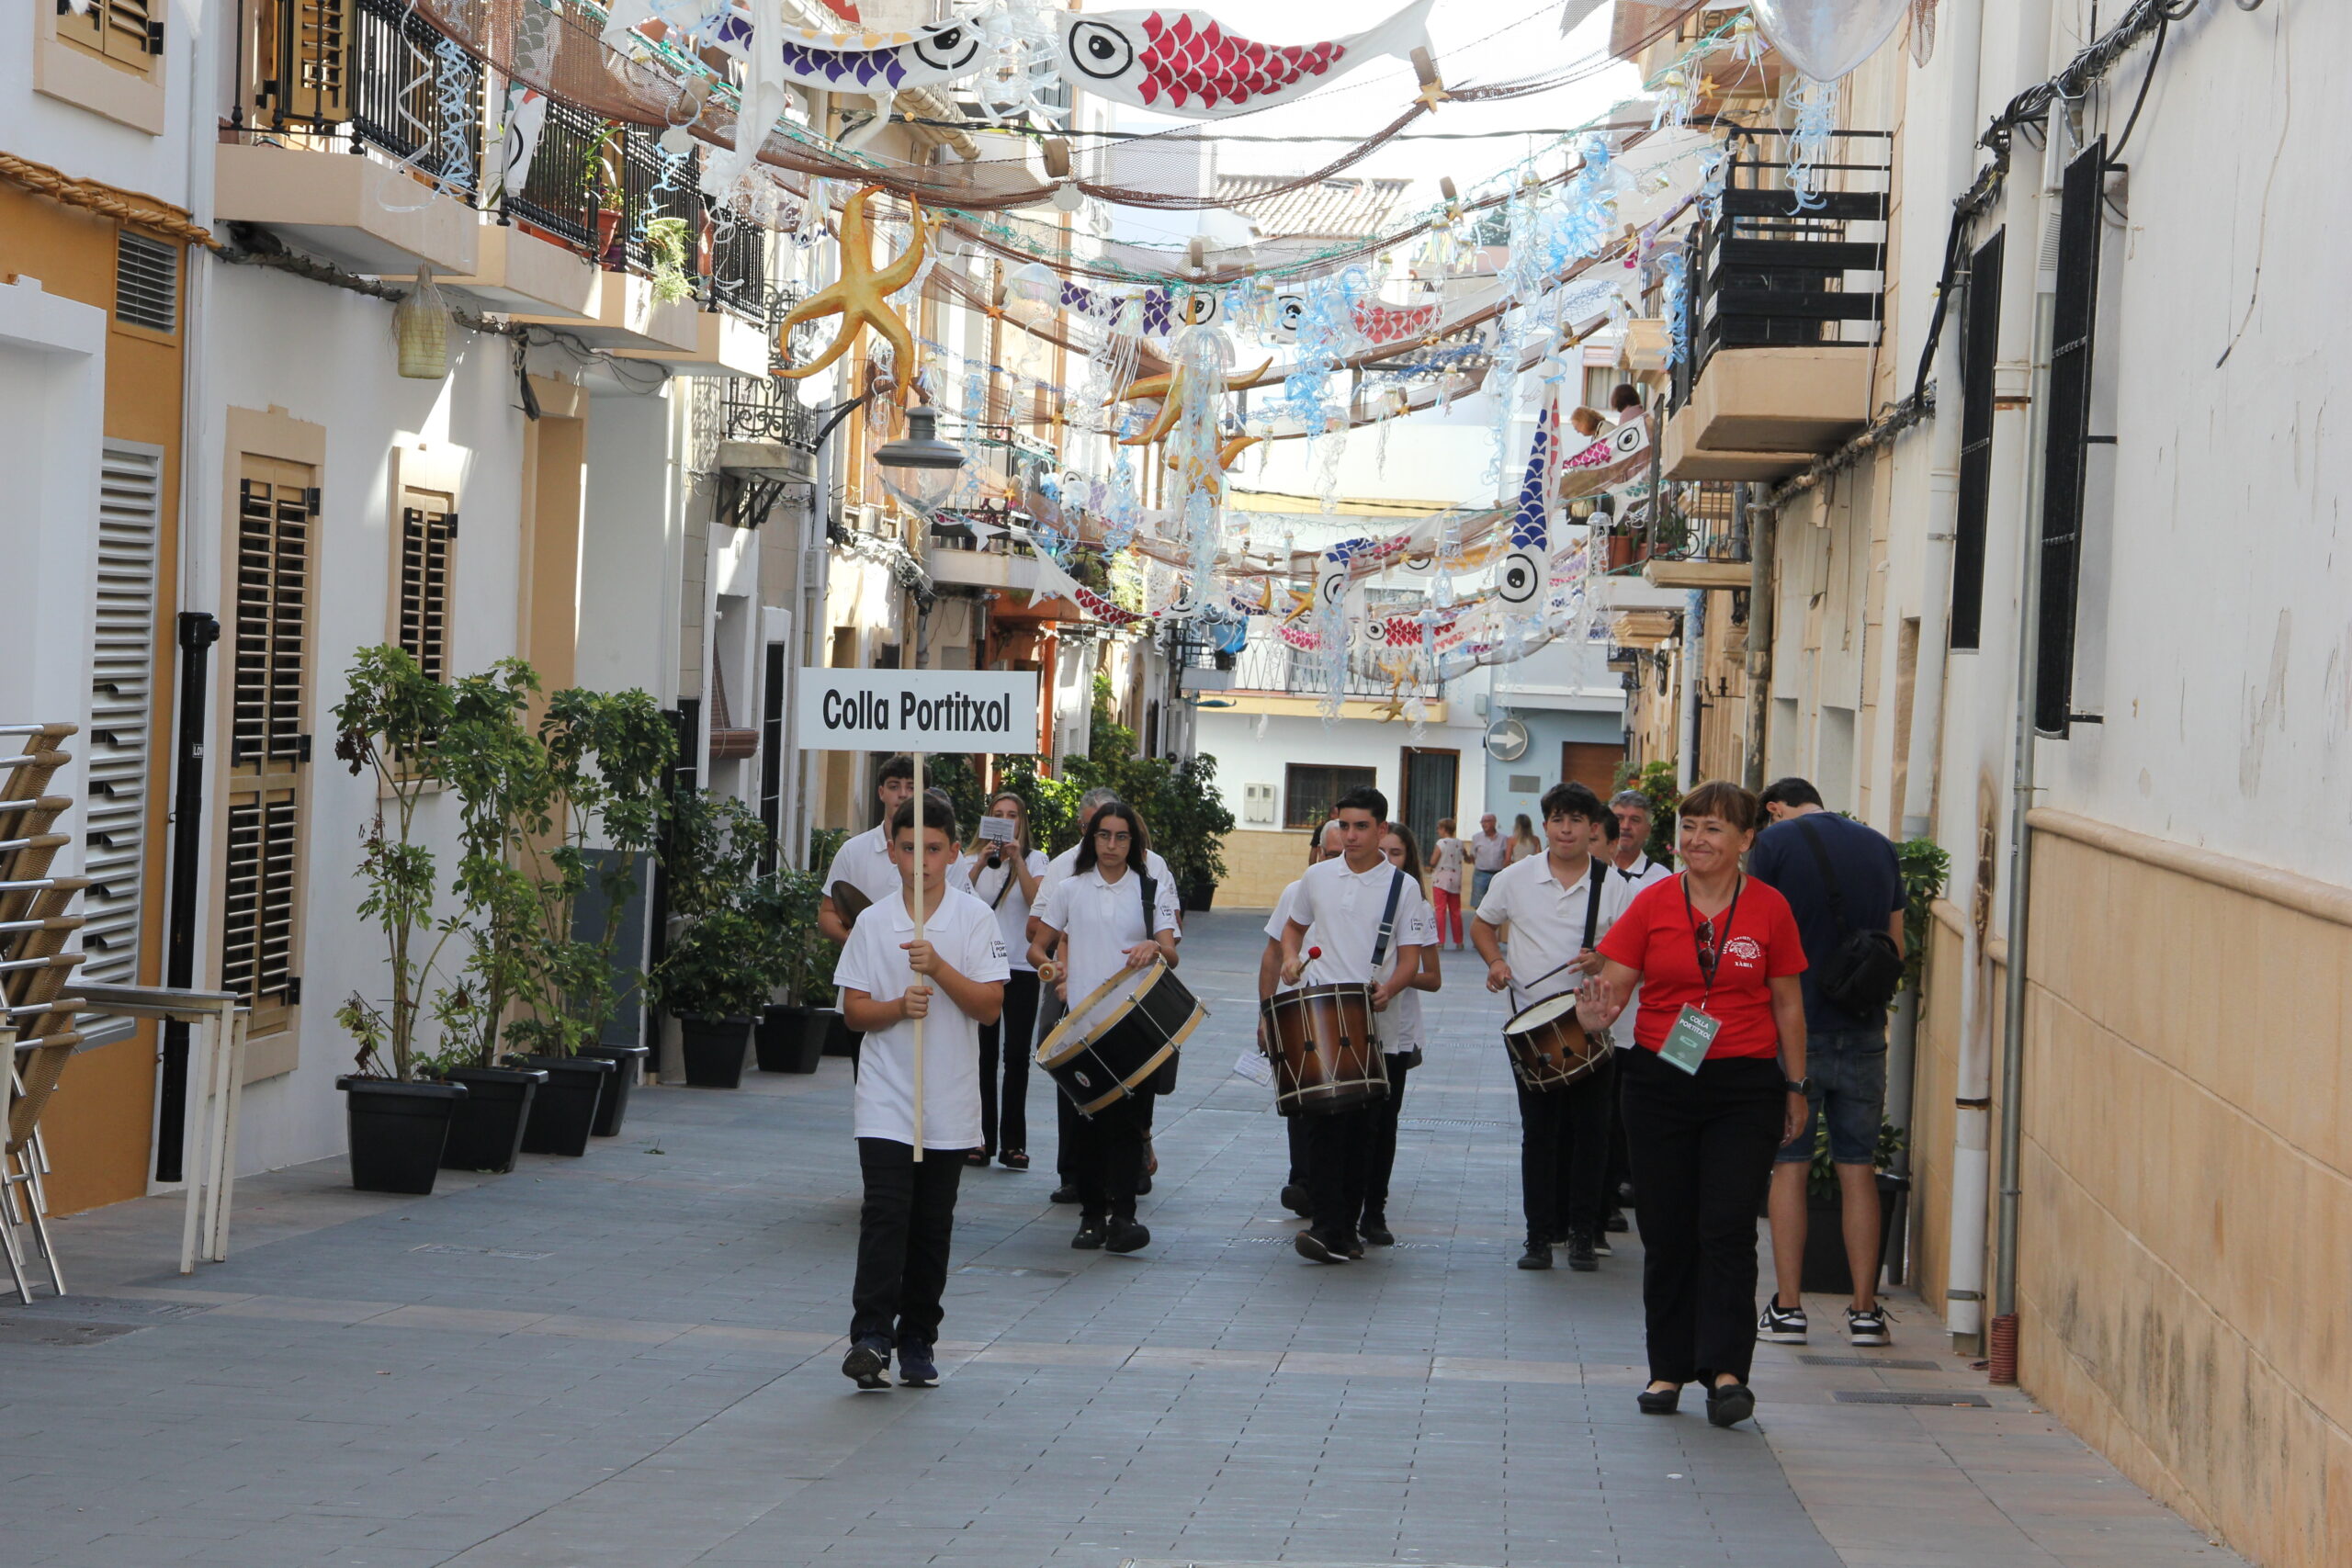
(563, 1111)
(791, 1039)
(1197, 896)
(486, 1128)
(713, 1050)
(397, 1130)
(612, 1104)
(1824, 1238)
(839, 1040)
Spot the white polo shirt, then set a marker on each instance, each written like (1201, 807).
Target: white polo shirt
(1000, 890)
(1405, 1009)
(1100, 920)
(1640, 875)
(1066, 863)
(1280, 920)
(1341, 910)
(1547, 920)
(863, 861)
(965, 933)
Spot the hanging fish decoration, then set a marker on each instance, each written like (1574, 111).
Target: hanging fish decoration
(1185, 63)
(877, 62)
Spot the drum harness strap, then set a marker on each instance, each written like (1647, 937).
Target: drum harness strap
(1387, 918)
(1595, 881)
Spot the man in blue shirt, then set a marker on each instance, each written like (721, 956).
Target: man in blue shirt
(1803, 853)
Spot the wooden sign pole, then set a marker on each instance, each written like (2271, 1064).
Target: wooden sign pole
(924, 979)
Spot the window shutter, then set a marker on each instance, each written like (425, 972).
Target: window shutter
(428, 540)
(276, 516)
(122, 714)
(2073, 322)
(308, 47)
(1980, 351)
(132, 35)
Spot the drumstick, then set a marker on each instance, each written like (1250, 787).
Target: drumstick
(1545, 975)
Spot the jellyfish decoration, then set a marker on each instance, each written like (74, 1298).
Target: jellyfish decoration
(1814, 109)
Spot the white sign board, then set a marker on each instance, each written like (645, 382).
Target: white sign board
(917, 710)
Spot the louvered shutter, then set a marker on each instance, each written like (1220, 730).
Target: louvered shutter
(308, 47)
(121, 711)
(429, 545)
(276, 516)
(128, 32)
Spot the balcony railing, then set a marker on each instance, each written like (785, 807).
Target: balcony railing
(761, 408)
(1767, 272)
(372, 72)
(1269, 665)
(738, 266)
(559, 189)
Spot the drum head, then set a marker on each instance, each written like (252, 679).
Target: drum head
(1096, 1011)
(1548, 1010)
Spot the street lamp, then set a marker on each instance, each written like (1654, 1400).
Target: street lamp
(928, 467)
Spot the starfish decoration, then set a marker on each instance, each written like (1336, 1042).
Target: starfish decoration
(1170, 389)
(860, 297)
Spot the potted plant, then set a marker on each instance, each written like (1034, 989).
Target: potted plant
(1197, 821)
(717, 971)
(793, 1031)
(608, 756)
(390, 720)
(1826, 1267)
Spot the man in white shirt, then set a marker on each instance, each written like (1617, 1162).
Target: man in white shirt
(1559, 905)
(1341, 909)
(864, 859)
(951, 981)
(1322, 845)
(1490, 853)
(1050, 1007)
(1632, 810)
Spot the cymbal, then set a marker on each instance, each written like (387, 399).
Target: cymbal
(848, 902)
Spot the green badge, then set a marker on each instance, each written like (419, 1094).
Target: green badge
(1686, 1044)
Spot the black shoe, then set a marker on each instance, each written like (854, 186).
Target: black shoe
(1065, 1193)
(1311, 1246)
(1558, 1237)
(1581, 1257)
(867, 1360)
(916, 1369)
(1730, 1403)
(1143, 1186)
(1126, 1236)
(1091, 1234)
(1376, 1230)
(1295, 1199)
(1354, 1245)
(1615, 1224)
(1659, 1401)
(1537, 1256)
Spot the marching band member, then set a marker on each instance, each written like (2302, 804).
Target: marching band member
(951, 978)
(1557, 905)
(1006, 878)
(1107, 916)
(1353, 908)
(1399, 848)
(1322, 845)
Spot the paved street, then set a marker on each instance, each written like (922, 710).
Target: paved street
(631, 1358)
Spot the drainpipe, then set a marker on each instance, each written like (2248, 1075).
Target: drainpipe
(1763, 538)
(1694, 637)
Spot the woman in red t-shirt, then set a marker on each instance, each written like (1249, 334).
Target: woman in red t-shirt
(1714, 1089)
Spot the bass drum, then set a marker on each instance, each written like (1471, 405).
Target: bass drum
(1122, 1039)
(1325, 1057)
(1549, 1049)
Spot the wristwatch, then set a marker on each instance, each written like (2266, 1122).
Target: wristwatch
(1798, 1086)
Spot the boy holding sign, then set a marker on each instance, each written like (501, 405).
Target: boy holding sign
(919, 976)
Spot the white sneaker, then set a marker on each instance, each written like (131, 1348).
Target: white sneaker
(1778, 1325)
(1867, 1325)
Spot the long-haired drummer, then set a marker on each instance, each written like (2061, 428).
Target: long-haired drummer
(1108, 915)
(1557, 905)
(1360, 912)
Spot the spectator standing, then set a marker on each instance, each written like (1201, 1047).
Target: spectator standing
(1630, 852)
(1840, 876)
(1445, 883)
(1490, 853)
(1523, 842)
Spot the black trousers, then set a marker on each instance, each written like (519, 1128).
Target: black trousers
(1294, 1129)
(1381, 1162)
(1012, 1033)
(1339, 1159)
(1107, 1156)
(1702, 1146)
(1564, 1154)
(1620, 1166)
(902, 1236)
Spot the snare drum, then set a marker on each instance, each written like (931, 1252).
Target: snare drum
(1122, 1039)
(1549, 1049)
(1324, 1056)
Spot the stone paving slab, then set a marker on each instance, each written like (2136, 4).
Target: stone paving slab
(631, 1358)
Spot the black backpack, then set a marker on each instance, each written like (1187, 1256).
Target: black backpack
(1866, 970)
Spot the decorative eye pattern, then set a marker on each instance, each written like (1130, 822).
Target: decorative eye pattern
(1100, 50)
(1289, 310)
(1520, 577)
(947, 48)
(1199, 309)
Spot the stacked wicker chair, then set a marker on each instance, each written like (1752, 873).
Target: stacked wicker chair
(35, 972)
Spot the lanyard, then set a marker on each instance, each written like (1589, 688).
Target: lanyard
(1708, 960)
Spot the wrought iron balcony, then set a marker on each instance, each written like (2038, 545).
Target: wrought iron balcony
(1269, 666)
(373, 73)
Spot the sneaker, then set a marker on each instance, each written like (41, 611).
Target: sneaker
(1867, 1325)
(1127, 1236)
(1091, 1234)
(1355, 1246)
(1615, 1224)
(1314, 1248)
(916, 1369)
(1581, 1257)
(1778, 1325)
(1601, 1247)
(1065, 1193)
(1295, 1199)
(1374, 1229)
(867, 1360)
(1537, 1256)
